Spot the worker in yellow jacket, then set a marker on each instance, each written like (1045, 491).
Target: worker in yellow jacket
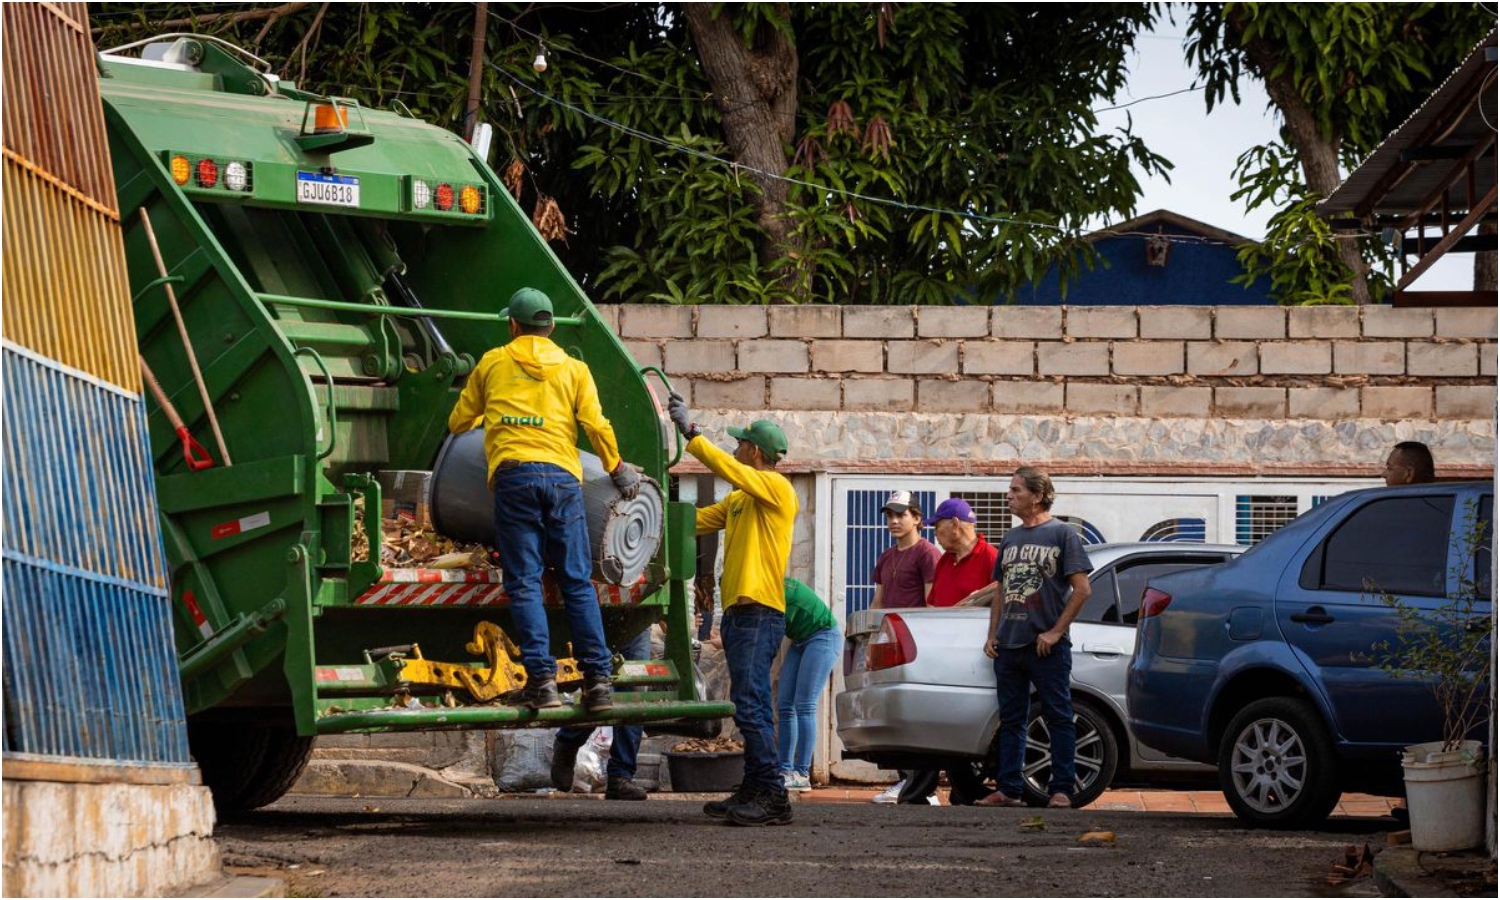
(531, 398)
(757, 518)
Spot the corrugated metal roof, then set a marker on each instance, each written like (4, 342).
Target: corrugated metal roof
(1458, 118)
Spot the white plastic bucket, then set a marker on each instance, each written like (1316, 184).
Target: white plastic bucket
(1445, 795)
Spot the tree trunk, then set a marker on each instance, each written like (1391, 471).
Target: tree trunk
(1318, 154)
(756, 91)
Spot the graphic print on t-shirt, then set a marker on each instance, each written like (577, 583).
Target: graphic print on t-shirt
(1025, 567)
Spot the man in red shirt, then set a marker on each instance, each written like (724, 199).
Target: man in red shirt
(968, 561)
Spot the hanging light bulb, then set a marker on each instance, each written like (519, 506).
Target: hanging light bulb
(539, 65)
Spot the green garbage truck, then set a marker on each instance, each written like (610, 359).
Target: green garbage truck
(313, 281)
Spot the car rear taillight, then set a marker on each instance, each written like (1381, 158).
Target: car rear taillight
(892, 647)
(1154, 602)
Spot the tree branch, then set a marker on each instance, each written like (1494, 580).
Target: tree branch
(232, 18)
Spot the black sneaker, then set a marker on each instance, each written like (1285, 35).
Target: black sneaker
(719, 809)
(598, 695)
(540, 693)
(623, 789)
(764, 807)
(564, 758)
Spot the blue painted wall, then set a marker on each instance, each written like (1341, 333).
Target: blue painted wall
(1197, 274)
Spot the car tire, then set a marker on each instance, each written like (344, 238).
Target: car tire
(1095, 762)
(1276, 765)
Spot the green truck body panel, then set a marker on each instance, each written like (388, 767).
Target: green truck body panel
(284, 298)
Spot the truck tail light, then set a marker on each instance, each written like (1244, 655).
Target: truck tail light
(1154, 603)
(470, 200)
(892, 647)
(208, 173)
(442, 198)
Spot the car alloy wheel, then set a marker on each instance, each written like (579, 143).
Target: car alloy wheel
(1094, 761)
(1275, 765)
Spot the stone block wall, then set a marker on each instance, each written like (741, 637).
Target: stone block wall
(1352, 379)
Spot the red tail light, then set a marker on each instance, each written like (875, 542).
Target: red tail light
(1154, 603)
(892, 647)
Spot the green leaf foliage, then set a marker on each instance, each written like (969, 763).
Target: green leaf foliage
(974, 162)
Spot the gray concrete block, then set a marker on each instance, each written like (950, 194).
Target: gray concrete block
(964, 396)
(1249, 323)
(1149, 358)
(1323, 403)
(1086, 399)
(1369, 357)
(806, 393)
(1296, 358)
(683, 357)
(1228, 359)
(1101, 321)
(736, 393)
(1037, 322)
(731, 322)
(953, 321)
(1167, 401)
(999, 357)
(1445, 360)
(879, 394)
(1467, 322)
(1191, 323)
(656, 322)
(1390, 322)
(1466, 402)
(922, 357)
(645, 353)
(848, 356)
(1027, 397)
(1056, 358)
(1395, 402)
(805, 321)
(881, 322)
(772, 356)
(1250, 402)
(1322, 322)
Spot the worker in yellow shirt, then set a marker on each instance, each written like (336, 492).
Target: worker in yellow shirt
(531, 398)
(757, 519)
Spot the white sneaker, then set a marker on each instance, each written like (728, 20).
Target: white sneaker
(932, 800)
(890, 794)
(796, 782)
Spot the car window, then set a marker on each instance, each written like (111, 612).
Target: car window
(1116, 596)
(1103, 604)
(1399, 545)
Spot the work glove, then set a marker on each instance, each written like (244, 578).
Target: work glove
(627, 479)
(677, 408)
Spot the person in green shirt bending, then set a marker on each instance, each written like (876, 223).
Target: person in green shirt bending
(816, 645)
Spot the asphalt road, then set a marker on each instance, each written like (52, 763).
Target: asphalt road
(542, 847)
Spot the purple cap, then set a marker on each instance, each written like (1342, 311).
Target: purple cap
(953, 508)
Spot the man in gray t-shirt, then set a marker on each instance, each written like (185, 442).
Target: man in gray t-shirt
(1040, 562)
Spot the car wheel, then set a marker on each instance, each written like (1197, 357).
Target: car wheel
(1276, 764)
(1094, 762)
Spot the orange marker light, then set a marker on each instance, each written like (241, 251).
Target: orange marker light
(182, 170)
(468, 199)
(208, 173)
(328, 118)
(442, 198)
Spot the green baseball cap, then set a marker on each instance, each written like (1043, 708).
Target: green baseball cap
(765, 435)
(529, 306)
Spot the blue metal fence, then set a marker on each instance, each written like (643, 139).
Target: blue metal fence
(90, 671)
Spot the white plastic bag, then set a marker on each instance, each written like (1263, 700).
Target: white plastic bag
(589, 774)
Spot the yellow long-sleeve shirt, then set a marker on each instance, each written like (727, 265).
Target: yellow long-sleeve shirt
(757, 518)
(531, 397)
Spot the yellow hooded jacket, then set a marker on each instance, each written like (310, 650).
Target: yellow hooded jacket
(757, 518)
(531, 397)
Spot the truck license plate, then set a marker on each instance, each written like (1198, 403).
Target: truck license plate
(329, 190)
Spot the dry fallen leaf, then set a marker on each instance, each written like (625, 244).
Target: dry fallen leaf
(1097, 838)
(1034, 823)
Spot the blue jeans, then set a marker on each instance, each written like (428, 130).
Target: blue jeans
(540, 524)
(625, 749)
(1016, 672)
(752, 636)
(804, 674)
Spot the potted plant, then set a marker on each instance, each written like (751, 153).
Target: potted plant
(1450, 648)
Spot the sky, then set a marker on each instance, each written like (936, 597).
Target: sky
(1203, 147)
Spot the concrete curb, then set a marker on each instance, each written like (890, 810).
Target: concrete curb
(237, 886)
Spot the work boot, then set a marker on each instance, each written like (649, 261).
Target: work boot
(764, 807)
(540, 693)
(564, 759)
(623, 789)
(598, 694)
(719, 809)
